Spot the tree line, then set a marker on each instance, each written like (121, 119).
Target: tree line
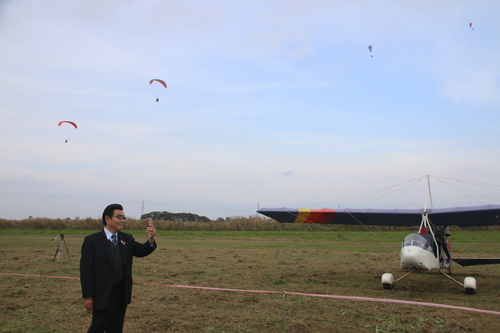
(177, 217)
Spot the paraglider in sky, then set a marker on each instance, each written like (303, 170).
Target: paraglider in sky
(370, 49)
(470, 25)
(161, 82)
(69, 122)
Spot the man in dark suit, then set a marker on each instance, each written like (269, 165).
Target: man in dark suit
(106, 270)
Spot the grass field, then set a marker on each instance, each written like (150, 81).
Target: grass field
(348, 263)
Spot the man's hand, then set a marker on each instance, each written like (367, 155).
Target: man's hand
(88, 303)
(151, 230)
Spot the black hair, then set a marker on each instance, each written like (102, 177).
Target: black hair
(108, 211)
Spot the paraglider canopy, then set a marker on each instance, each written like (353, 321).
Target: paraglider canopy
(69, 122)
(470, 25)
(158, 80)
(370, 48)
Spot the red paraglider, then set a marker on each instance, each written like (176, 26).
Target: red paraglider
(470, 25)
(69, 122)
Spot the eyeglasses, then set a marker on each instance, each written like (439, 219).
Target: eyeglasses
(120, 217)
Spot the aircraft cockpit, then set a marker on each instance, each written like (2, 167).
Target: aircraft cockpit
(423, 241)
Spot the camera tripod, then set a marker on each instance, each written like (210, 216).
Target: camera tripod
(60, 248)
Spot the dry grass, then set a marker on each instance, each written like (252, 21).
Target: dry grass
(230, 224)
(234, 223)
(280, 263)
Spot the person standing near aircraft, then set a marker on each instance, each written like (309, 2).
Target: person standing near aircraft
(106, 270)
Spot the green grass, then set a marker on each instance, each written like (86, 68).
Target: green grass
(337, 263)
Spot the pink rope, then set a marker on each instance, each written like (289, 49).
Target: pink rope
(352, 298)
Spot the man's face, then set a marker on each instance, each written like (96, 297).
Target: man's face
(115, 223)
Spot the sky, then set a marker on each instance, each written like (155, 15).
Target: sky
(269, 103)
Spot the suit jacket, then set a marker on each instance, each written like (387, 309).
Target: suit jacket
(96, 266)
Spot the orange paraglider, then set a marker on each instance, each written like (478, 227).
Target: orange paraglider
(161, 82)
(157, 80)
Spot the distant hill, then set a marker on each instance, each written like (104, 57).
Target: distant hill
(178, 217)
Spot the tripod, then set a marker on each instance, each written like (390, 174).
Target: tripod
(60, 248)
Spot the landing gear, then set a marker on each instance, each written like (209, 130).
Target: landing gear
(469, 282)
(470, 285)
(387, 280)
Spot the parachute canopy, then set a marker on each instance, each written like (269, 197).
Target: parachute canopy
(69, 122)
(158, 80)
(370, 48)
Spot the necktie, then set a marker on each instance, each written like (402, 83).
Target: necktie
(114, 240)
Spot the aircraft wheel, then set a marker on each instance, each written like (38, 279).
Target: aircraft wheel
(387, 280)
(470, 285)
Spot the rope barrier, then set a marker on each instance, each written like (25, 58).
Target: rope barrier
(284, 293)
